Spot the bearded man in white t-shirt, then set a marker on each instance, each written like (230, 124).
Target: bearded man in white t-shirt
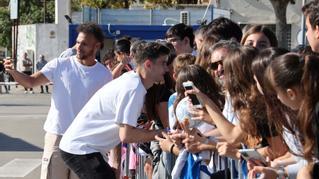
(75, 79)
(110, 116)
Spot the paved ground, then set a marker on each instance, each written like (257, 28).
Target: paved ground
(21, 133)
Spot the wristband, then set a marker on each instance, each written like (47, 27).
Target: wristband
(171, 148)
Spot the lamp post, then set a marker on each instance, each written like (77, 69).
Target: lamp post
(44, 10)
(14, 16)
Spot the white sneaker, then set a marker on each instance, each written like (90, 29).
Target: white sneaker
(25, 92)
(31, 92)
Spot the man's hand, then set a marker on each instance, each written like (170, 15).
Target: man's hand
(8, 65)
(165, 142)
(194, 141)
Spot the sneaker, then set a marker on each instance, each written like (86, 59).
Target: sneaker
(25, 92)
(31, 92)
(42, 92)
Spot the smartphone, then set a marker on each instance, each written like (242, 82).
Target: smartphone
(188, 85)
(252, 154)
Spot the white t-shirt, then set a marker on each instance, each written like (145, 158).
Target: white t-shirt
(295, 146)
(229, 112)
(171, 115)
(68, 53)
(73, 86)
(96, 127)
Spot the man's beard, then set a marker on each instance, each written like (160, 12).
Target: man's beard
(83, 56)
(220, 82)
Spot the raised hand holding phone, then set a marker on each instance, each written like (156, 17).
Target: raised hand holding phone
(253, 155)
(8, 64)
(188, 85)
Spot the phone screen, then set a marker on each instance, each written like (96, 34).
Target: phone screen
(193, 97)
(251, 154)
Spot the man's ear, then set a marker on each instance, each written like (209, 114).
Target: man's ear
(317, 31)
(291, 93)
(186, 40)
(148, 64)
(98, 46)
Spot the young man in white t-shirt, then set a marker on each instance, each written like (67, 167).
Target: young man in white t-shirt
(75, 79)
(110, 116)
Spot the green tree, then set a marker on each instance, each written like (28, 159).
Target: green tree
(30, 12)
(126, 3)
(5, 27)
(3, 3)
(105, 3)
(5, 24)
(35, 9)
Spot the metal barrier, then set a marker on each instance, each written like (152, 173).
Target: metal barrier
(127, 161)
(229, 164)
(140, 174)
(9, 83)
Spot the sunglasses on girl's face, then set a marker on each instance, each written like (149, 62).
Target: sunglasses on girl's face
(214, 65)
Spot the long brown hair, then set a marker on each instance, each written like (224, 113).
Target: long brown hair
(245, 98)
(308, 112)
(278, 114)
(295, 70)
(204, 53)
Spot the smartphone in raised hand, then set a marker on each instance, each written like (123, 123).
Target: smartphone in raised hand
(188, 85)
(252, 154)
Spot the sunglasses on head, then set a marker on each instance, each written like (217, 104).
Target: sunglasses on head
(214, 65)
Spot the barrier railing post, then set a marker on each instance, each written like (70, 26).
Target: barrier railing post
(126, 162)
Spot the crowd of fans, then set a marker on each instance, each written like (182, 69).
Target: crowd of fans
(259, 105)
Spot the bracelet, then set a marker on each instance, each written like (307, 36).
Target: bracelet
(171, 148)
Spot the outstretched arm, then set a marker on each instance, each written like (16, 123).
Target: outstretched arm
(232, 133)
(23, 79)
(130, 134)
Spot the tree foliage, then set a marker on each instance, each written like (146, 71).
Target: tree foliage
(5, 27)
(104, 3)
(4, 3)
(30, 12)
(126, 3)
(35, 9)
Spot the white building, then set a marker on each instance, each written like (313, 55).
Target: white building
(240, 11)
(51, 39)
(45, 39)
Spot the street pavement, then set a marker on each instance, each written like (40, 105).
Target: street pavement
(21, 133)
